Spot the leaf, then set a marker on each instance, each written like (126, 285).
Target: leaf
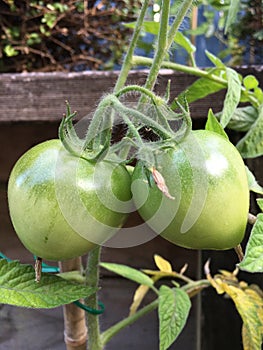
(250, 82)
(173, 310)
(260, 203)
(201, 88)
(215, 60)
(139, 294)
(129, 273)
(183, 41)
(18, 287)
(253, 259)
(232, 96)
(252, 182)
(242, 119)
(251, 145)
(232, 14)
(249, 305)
(213, 124)
(162, 264)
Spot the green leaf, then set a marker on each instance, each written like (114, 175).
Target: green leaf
(232, 96)
(213, 124)
(129, 272)
(173, 310)
(250, 82)
(183, 41)
(232, 14)
(253, 259)
(18, 287)
(201, 88)
(242, 119)
(260, 203)
(10, 51)
(258, 94)
(252, 182)
(215, 60)
(251, 145)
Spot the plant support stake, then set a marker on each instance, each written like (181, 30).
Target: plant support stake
(75, 330)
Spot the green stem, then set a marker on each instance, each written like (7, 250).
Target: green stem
(92, 277)
(115, 329)
(161, 46)
(192, 288)
(139, 60)
(178, 20)
(127, 63)
(140, 117)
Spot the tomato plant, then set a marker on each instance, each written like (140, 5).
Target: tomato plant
(55, 202)
(206, 176)
(68, 196)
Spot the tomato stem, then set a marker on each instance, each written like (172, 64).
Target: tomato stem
(161, 46)
(165, 38)
(116, 328)
(92, 280)
(127, 63)
(146, 61)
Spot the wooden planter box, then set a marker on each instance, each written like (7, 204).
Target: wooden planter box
(31, 108)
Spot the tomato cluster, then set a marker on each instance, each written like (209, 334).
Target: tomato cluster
(63, 204)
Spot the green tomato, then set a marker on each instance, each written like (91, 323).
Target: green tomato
(62, 206)
(206, 177)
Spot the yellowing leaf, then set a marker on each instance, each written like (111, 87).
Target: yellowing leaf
(162, 264)
(139, 294)
(250, 307)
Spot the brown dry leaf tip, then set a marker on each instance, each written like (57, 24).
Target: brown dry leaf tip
(160, 182)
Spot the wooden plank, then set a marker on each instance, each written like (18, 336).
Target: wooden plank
(41, 96)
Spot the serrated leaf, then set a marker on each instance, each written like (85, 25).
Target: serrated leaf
(18, 287)
(260, 203)
(232, 97)
(252, 182)
(173, 311)
(129, 273)
(249, 305)
(162, 264)
(213, 124)
(251, 145)
(253, 259)
(242, 119)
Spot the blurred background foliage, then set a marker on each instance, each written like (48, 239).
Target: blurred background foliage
(63, 35)
(91, 35)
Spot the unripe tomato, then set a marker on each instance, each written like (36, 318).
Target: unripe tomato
(206, 176)
(62, 206)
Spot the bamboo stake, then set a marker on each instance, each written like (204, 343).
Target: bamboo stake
(75, 330)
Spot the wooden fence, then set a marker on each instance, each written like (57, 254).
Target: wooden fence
(31, 107)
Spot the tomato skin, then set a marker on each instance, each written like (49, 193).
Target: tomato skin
(207, 177)
(56, 201)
